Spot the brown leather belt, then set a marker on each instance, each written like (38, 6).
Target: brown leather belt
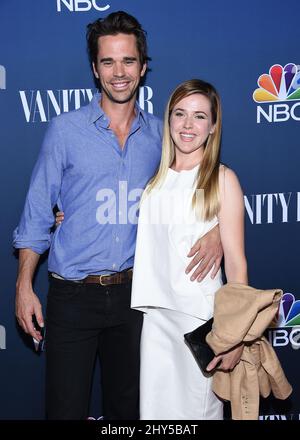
(105, 280)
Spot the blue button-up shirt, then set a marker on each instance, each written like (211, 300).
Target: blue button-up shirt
(82, 169)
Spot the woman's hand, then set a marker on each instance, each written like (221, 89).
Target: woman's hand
(229, 359)
(59, 218)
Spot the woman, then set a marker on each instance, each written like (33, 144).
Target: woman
(173, 213)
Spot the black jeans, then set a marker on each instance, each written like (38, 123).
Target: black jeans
(83, 320)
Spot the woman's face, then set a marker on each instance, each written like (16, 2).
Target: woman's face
(191, 123)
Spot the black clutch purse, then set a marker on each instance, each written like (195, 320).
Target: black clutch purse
(198, 345)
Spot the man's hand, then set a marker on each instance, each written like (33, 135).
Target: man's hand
(27, 305)
(229, 359)
(207, 253)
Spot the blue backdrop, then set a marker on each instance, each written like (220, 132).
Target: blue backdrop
(44, 71)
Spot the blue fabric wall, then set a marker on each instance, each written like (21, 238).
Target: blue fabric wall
(44, 70)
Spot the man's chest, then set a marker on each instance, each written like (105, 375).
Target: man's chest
(98, 157)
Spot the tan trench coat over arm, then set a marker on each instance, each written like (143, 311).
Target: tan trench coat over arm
(241, 314)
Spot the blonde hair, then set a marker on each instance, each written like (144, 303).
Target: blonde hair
(207, 177)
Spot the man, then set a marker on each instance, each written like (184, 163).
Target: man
(89, 159)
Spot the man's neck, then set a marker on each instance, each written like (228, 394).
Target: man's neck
(120, 115)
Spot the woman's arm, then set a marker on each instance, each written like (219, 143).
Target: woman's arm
(231, 222)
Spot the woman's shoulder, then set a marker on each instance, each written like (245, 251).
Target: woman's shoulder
(226, 172)
(228, 179)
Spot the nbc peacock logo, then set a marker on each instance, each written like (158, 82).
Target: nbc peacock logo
(286, 330)
(280, 85)
(289, 311)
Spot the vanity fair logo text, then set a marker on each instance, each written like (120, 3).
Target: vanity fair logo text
(42, 105)
(273, 208)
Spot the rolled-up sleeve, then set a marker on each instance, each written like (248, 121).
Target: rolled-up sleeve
(33, 231)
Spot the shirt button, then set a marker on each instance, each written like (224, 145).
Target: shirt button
(117, 239)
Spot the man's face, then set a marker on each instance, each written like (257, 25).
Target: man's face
(118, 67)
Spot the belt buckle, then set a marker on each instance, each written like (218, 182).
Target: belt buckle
(100, 280)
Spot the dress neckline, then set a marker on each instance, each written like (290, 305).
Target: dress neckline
(184, 171)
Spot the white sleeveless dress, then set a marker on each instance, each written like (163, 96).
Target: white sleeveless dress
(172, 385)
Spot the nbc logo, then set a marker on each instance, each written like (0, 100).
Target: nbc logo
(80, 5)
(282, 83)
(287, 329)
(289, 311)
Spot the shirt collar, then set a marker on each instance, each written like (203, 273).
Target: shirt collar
(96, 111)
